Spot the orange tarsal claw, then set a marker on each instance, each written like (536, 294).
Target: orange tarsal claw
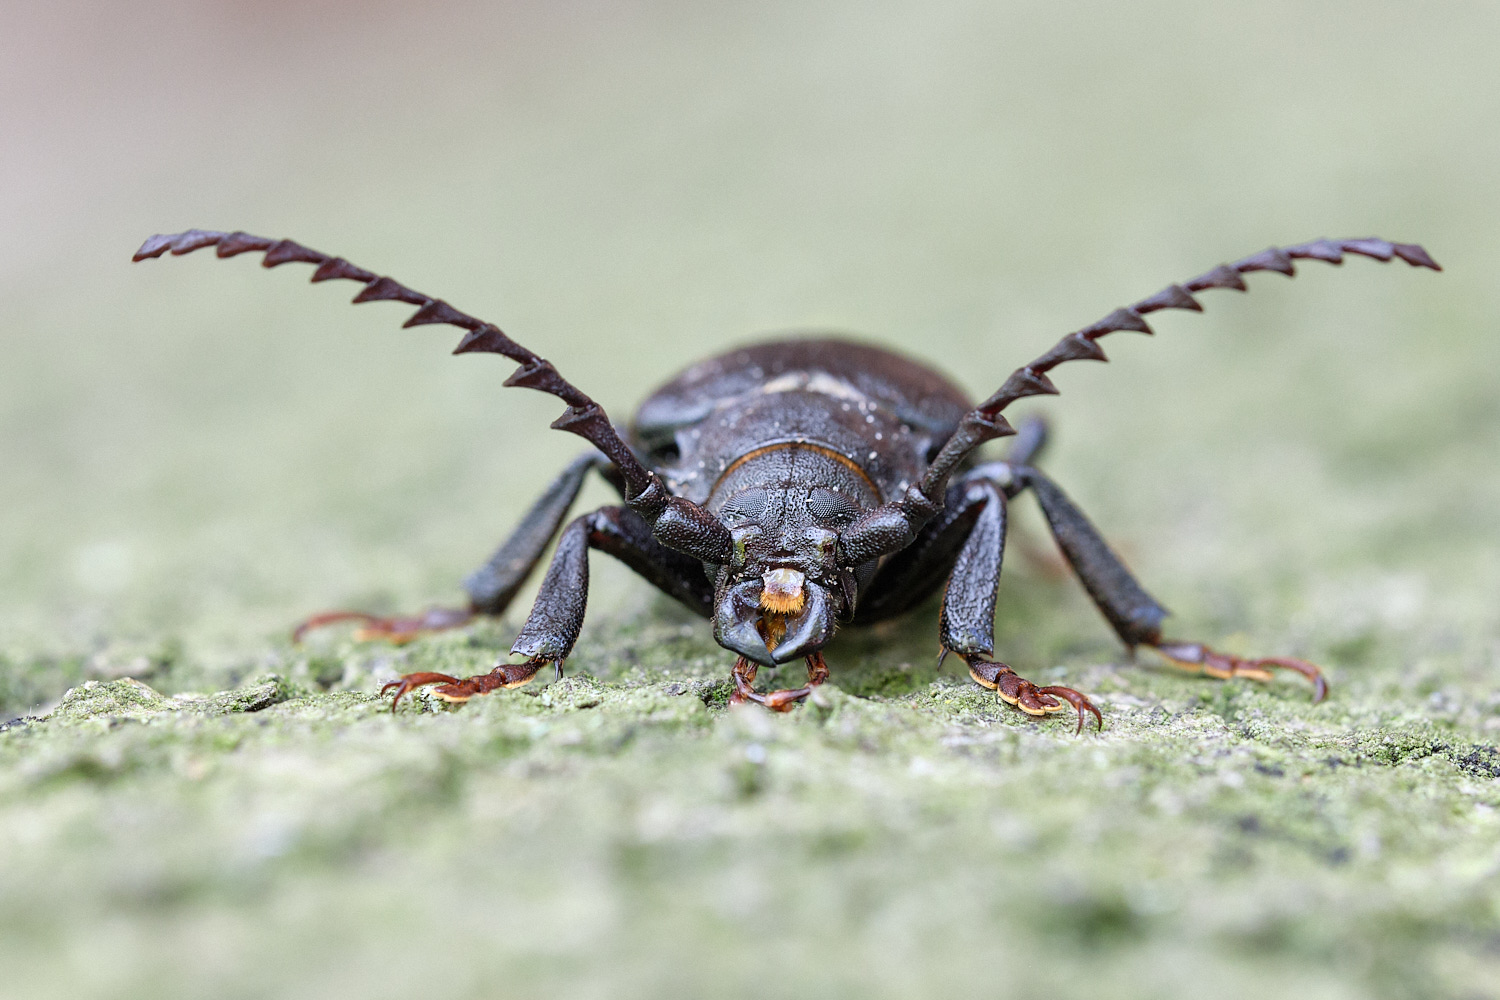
(505, 675)
(777, 701)
(1016, 690)
(407, 682)
(1198, 658)
(399, 629)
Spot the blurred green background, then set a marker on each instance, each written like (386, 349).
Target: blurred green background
(194, 454)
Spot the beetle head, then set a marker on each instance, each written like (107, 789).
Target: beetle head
(783, 593)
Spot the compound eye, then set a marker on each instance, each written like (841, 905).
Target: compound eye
(832, 508)
(747, 505)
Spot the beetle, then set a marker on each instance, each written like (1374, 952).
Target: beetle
(787, 488)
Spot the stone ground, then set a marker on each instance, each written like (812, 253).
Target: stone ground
(197, 454)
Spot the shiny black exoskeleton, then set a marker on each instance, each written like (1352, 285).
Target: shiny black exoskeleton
(785, 488)
(787, 443)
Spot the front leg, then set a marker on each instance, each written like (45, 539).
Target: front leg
(966, 625)
(458, 690)
(557, 616)
(743, 678)
(1016, 690)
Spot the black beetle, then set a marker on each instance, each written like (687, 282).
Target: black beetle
(786, 488)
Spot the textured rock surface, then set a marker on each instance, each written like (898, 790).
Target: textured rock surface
(626, 834)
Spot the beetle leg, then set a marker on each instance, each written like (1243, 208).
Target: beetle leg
(492, 587)
(1134, 614)
(505, 675)
(966, 624)
(557, 616)
(907, 578)
(397, 629)
(743, 677)
(1198, 658)
(1016, 690)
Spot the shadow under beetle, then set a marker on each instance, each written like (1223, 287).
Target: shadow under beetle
(790, 487)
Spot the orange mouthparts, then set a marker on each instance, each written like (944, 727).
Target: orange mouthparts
(781, 591)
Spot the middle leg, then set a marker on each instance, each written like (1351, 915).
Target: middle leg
(492, 587)
(1134, 614)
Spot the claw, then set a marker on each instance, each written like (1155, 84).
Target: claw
(1079, 702)
(1198, 658)
(407, 682)
(505, 675)
(397, 629)
(1016, 690)
(743, 677)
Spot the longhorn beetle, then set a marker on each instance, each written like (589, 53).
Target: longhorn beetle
(789, 487)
